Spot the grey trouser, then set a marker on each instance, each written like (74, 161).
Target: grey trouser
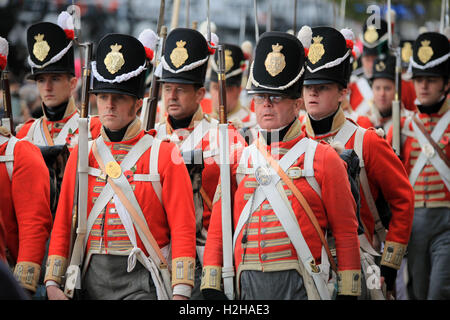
(429, 254)
(107, 279)
(276, 285)
(196, 293)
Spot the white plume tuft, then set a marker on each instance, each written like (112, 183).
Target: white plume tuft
(348, 34)
(148, 38)
(247, 47)
(204, 27)
(65, 21)
(4, 48)
(305, 36)
(214, 38)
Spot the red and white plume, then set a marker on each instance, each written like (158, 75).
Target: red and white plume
(214, 42)
(247, 49)
(4, 48)
(305, 37)
(65, 21)
(349, 37)
(149, 39)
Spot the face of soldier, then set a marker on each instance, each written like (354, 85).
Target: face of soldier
(55, 88)
(274, 112)
(117, 110)
(429, 90)
(383, 93)
(181, 100)
(367, 63)
(321, 100)
(233, 93)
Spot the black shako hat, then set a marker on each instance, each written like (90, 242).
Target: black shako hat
(185, 57)
(278, 66)
(384, 67)
(430, 55)
(328, 58)
(119, 66)
(375, 37)
(50, 49)
(234, 65)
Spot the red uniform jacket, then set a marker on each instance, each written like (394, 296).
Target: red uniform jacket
(25, 209)
(386, 175)
(171, 221)
(272, 249)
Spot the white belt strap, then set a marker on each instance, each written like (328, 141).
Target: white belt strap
(345, 133)
(258, 196)
(364, 180)
(72, 125)
(8, 158)
(308, 171)
(432, 156)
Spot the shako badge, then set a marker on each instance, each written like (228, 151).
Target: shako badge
(371, 34)
(179, 54)
(41, 47)
(425, 51)
(316, 50)
(275, 61)
(114, 60)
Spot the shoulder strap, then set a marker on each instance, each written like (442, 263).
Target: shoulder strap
(153, 168)
(308, 171)
(274, 164)
(364, 180)
(8, 158)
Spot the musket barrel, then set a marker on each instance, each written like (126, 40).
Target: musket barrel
(7, 102)
(155, 85)
(86, 80)
(222, 85)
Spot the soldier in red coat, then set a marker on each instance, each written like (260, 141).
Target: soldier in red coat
(140, 215)
(183, 77)
(51, 58)
(425, 152)
(24, 207)
(382, 174)
(278, 250)
(382, 81)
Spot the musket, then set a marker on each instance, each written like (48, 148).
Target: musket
(255, 8)
(187, 13)
(152, 102)
(269, 17)
(8, 120)
(396, 103)
(444, 16)
(175, 14)
(294, 26)
(79, 212)
(149, 110)
(342, 13)
(225, 186)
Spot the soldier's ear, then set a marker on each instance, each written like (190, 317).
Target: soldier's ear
(200, 94)
(343, 93)
(73, 83)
